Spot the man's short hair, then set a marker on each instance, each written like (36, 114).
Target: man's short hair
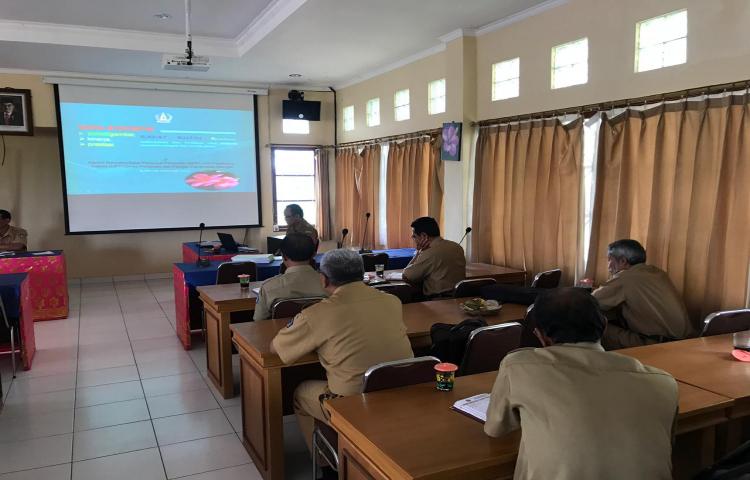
(297, 247)
(295, 209)
(628, 249)
(569, 315)
(5, 215)
(342, 266)
(426, 225)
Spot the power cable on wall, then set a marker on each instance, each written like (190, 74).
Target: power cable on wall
(2, 163)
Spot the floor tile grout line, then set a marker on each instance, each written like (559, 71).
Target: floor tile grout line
(38, 468)
(75, 392)
(138, 370)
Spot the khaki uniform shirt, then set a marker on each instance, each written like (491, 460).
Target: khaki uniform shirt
(648, 303)
(584, 414)
(438, 268)
(296, 282)
(352, 330)
(304, 227)
(13, 235)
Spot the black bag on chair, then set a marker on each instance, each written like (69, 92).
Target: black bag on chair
(734, 466)
(449, 341)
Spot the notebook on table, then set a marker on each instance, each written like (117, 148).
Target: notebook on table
(474, 407)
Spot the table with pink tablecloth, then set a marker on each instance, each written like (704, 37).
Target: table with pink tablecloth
(48, 282)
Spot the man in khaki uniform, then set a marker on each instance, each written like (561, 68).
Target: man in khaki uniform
(11, 238)
(641, 303)
(438, 264)
(299, 280)
(584, 413)
(293, 215)
(352, 330)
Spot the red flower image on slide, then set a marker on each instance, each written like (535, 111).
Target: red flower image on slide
(212, 180)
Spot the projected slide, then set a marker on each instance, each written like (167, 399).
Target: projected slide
(138, 159)
(121, 149)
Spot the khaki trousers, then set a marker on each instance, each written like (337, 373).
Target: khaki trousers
(307, 407)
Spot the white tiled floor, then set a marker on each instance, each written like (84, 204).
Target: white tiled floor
(113, 395)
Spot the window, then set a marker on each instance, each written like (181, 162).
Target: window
(301, 127)
(661, 42)
(436, 96)
(294, 182)
(505, 79)
(401, 105)
(373, 112)
(570, 64)
(348, 115)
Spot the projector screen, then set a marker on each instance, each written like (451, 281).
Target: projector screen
(136, 159)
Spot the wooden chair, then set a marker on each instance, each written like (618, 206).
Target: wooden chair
(471, 287)
(403, 291)
(228, 271)
(398, 373)
(728, 321)
(289, 307)
(487, 346)
(371, 259)
(548, 279)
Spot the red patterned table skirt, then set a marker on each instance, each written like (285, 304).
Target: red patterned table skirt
(48, 282)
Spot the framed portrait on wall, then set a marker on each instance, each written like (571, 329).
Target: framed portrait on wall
(15, 112)
(451, 149)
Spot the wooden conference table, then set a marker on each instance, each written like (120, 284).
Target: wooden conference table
(268, 384)
(219, 301)
(412, 433)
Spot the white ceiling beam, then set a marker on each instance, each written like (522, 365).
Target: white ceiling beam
(271, 17)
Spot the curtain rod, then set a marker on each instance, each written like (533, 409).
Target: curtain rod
(391, 138)
(590, 109)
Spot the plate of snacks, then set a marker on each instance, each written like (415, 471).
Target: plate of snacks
(480, 306)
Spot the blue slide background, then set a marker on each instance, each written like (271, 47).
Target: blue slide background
(120, 159)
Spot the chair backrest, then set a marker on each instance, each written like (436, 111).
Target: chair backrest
(728, 321)
(371, 259)
(528, 339)
(403, 291)
(399, 373)
(228, 271)
(548, 279)
(487, 346)
(289, 307)
(471, 287)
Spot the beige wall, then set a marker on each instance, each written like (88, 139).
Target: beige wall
(31, 187)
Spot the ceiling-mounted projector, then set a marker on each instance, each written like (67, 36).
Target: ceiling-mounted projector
(197, 63)
(188, 62)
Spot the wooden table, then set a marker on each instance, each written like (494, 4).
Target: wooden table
(503, 275)
(219, 301)
(706, 363)
(268, 384)
(412, 433)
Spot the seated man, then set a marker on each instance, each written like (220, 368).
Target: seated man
(352, 330)
(583, 413)
(293, 215)
(298, 280)
(11, 238)
(438, 264)
(641, 303)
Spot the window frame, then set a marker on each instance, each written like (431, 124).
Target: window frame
(348, 108)
(368, 113)
(637, 53)
(554, 68)
(396, 106)
(494, 82)
(430, 98)
(274, 200)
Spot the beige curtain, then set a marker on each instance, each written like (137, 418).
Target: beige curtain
(527, 191)
(676, 178)
(414, 187)
(322, 194)
(357, 192)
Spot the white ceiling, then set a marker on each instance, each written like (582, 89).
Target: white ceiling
(329, 42)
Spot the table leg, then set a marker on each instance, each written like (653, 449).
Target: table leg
(262, 416)
(219, 351)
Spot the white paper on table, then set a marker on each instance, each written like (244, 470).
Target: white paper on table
(262, 258)
(48, 252)
(475, 407)
(394, 276)
(256, 291)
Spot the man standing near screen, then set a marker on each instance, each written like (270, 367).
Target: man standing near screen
(11, 238)
(296, 223)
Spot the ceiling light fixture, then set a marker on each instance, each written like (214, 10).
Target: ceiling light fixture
(162, 16)
(295, 75)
